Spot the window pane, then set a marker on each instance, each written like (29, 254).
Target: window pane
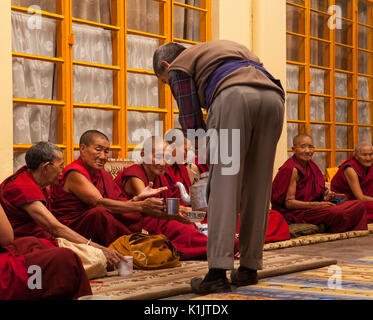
(344, 35)
(44, 5)
(321, 5)
(295, 19)
(342, 111)
(340, 157)
(319, 106)
(294, 48)
(295, 77)
(365, 134)
(294, 108)
(318, 81)
(346, 8)
(342, 84)
(341, 137)
(140, 125)
(343, 58)
(142, 90)
(18, 160)
(320, 158)
(364, 7)
(140, 52)
(319, 26)
(96, 10)
(363, 112)
(364, 34)
(38, 40)
(186, 24)
(88, 119)
(143, 15)
(318, 135)
(365, 64)
(319, 54)
(365, 86)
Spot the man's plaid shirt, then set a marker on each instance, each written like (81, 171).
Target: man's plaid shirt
(186, 96)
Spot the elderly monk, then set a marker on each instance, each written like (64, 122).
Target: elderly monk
(299, 193)
(62, 273)
(354, 177)
(133, 180)
(182, 169)
(24, 197)
(87, 199)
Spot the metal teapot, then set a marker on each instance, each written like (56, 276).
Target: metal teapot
(197, 197)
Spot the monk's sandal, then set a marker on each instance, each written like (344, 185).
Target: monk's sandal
(244, 277)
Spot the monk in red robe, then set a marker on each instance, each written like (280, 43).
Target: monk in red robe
(88, 200)
(62, 275)
(354, 177)
(24, 197)
(299, 193)
(133, 180)
(181, 167)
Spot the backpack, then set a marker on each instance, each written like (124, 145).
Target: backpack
(148, 251)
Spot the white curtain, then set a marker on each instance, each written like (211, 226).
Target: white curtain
(317, 104)
(34, 79)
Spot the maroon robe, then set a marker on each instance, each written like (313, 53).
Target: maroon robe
(349, 215)
(96, 223)
(339, 183)
(186, 238)
(63, 275)
(178, 173)
(17, 190)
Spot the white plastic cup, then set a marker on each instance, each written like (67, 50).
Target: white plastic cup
(125, 268)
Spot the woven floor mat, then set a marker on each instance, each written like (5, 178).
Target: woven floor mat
(156, 284)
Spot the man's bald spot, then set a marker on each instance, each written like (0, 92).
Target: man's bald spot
(299, 137)
(362, 144)
(88, 137)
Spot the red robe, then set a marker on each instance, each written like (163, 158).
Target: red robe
(186, 238)
(96, 223)
(178, 173)
(349, 215)
(202, 167)
(17, 190)
(62, 273)
(339, 183)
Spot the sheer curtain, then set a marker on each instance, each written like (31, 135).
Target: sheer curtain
(35, 79)
(317, 104)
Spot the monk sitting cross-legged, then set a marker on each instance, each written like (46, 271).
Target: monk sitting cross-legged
(25, 199)
(133, 180)
(62, 275)
(87, 199)
(299, 193)
(355, 177)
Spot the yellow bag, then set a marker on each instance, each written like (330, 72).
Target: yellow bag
(148, 251)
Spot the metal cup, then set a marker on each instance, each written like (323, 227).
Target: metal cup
(172, 206)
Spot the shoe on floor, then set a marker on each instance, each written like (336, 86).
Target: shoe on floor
(244, 277)
(203, 286)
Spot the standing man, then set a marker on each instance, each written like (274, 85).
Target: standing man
(239, 94)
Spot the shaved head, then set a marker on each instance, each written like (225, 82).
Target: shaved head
(360, 145)
(88, 137)
(298, 137)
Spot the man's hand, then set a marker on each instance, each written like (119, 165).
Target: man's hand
(153, 207)
(113, 257)
(149, 192)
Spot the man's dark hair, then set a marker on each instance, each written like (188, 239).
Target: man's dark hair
(167, 52)
(39, 153)
(87, 137)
